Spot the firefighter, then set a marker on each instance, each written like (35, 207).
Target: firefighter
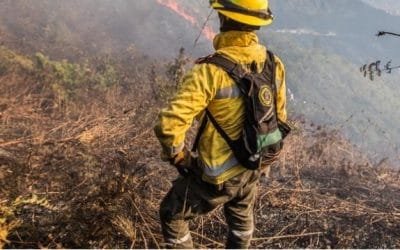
(215, 178)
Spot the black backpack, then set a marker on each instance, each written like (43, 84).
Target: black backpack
(263, 133)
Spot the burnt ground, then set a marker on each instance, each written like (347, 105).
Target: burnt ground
(85, 173)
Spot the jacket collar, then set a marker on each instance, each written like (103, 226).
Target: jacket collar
(235, 38)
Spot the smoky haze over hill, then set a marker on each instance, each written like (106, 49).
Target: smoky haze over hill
(345, 27)
(81, 85)
(390, 6)
(351, 23)
(95, 26)
(323, 44)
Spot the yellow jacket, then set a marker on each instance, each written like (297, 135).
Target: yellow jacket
(207, 86)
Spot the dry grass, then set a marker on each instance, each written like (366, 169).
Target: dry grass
(87, 174)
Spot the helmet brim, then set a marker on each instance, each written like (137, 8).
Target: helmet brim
(241, 18)
(250, 20)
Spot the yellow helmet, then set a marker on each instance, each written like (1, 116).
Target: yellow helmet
(251, 12)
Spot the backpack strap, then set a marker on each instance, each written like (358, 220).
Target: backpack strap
(270, 66)
(283, 127)
(209, 116)
(220, 130)
(234, 70)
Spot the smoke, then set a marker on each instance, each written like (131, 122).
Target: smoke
(74, 29)
(305, 32)
(391, 7)
(173, 5)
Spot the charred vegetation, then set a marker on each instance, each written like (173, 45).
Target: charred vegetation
(80, 167)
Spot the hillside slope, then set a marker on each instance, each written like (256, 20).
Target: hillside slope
(322, 76)
(75, 29)
(353, 24)
(329, 89)
(81, 169)
(79, 164)
(343, 27)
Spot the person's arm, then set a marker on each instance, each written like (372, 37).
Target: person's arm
(193, 97)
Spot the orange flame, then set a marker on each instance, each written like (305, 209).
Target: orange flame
(174, 6)
(171, 4)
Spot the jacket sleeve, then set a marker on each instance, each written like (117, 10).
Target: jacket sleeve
(192, 98)
(281, 90)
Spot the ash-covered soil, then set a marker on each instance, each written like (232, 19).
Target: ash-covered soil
(83, 171)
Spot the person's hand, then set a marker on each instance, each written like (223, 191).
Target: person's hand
(182, 162)
(178, 160)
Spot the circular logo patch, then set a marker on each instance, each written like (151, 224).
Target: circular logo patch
(265, 96)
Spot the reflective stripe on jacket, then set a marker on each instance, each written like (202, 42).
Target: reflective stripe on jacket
(207, 86)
